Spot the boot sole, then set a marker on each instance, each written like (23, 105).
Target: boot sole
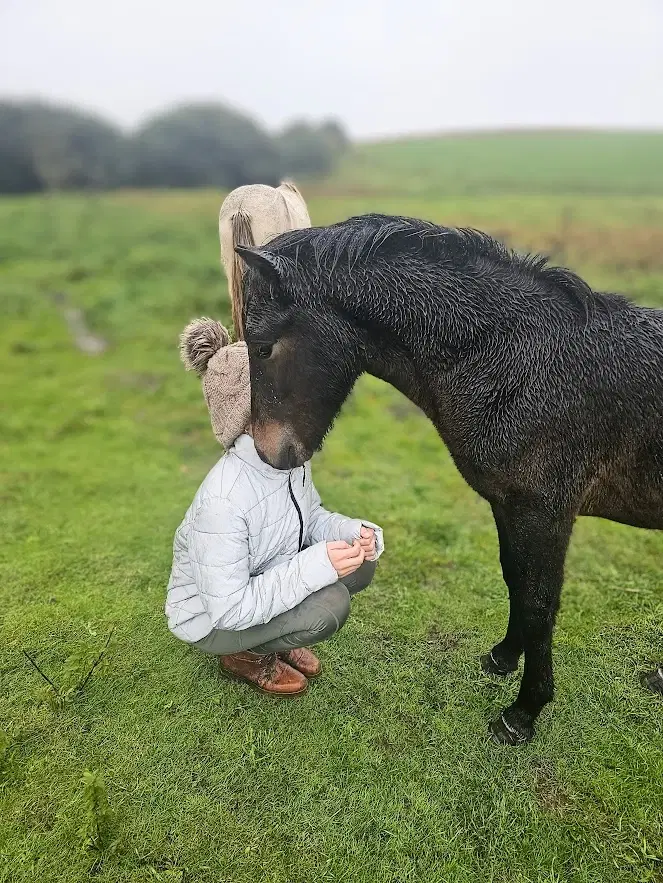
(229, 676)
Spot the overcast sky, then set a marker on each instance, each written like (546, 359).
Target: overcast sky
(380, 67)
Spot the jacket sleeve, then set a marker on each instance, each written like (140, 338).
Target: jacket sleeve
(325, 526)
(235, 600)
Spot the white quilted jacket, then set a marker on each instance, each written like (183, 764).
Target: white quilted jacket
(252, 545)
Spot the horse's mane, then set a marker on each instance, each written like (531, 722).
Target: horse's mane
(361, 239)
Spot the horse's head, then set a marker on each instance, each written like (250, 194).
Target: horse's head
(304, 354)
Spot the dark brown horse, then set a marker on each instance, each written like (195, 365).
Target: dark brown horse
(548, 395)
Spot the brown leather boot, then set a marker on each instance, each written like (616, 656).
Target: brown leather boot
(303, 660)
(269, 674)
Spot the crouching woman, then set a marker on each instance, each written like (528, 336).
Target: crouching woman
(261, 570)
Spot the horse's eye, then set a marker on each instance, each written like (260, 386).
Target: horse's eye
(264, 350)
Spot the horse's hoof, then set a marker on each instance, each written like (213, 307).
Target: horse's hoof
(491, 667)
(653, 680)
(504, 730)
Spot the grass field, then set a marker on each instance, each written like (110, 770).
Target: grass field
(383, 772)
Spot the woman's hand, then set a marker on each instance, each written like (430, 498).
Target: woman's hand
(367, 542)
(345, 559)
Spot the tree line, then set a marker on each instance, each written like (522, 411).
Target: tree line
(48, 147)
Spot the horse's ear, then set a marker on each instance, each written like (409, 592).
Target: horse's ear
(262, 260)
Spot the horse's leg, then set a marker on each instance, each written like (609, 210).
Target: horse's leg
(537, 544)
(503, 658)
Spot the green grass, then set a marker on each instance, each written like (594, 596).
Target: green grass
(510, 162)
(383, 772)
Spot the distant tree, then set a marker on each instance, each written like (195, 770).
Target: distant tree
(46, 147)
(310, 150)
(335, 135)
(72, 150)
(203, 145)
(17, 170)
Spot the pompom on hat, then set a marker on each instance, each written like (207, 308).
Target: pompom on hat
(224, 370)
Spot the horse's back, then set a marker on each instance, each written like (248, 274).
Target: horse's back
(253, 215)
(263, 207)
(269, 211)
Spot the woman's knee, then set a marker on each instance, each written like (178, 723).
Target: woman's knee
(332, 609)
(319, 617)
(361, 578)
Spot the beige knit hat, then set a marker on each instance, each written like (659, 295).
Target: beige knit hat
(224, 368)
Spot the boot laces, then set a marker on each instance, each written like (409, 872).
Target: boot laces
(269, 666)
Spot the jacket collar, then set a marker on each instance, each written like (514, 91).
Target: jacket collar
(244, 448)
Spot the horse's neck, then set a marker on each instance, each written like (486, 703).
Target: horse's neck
(422, 316)
(417, 334)
(398, 369)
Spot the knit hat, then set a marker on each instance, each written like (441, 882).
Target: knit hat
(224, 369)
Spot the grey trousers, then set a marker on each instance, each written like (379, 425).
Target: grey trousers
(317, 618)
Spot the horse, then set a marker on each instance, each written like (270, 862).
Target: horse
(548, 394)
(252, 215)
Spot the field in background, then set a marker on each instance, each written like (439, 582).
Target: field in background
(627, 163)
(383, 771)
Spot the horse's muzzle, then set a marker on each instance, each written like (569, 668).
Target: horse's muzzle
(278, 447)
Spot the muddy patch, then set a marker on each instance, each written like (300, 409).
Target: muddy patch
(548, 790)
(445, 641)
(84, 339)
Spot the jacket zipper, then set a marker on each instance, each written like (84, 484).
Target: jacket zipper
(299, 513)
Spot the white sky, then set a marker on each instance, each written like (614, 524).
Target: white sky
(380, 67)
